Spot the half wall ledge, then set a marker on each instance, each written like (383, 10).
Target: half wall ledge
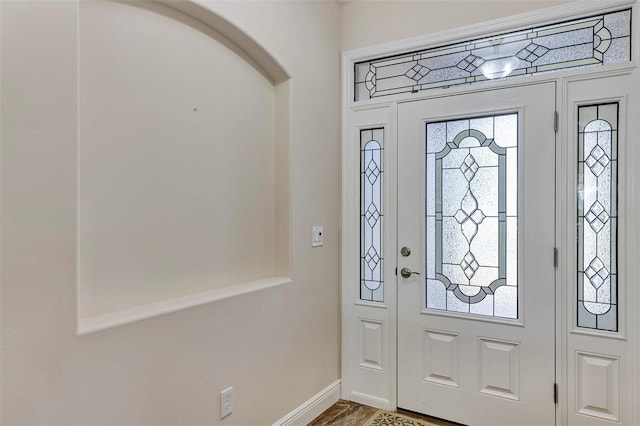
(138, 313)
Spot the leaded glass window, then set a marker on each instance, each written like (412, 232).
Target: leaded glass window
(597, 216)
(371, 215)
(472, 215)
(597, 40)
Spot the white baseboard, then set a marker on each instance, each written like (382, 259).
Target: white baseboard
(372, 401)
(312, 408)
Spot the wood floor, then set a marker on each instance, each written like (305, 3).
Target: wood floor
(347, 413)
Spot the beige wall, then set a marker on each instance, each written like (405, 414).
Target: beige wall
(276, 347)
(365, 23)
(176, 161)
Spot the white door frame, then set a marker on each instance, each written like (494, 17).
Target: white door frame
(369, 329)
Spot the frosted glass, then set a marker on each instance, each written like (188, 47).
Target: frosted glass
(430, 184)
(604, 141)
(456, 187)
(484, 276)
(455, 273)
(405, 69)
(618, 24)
(456, 127)
(587, 115)
(451, 73)
(596, 211)
(563, 39)
(586, 318)
(484, 307)
(484, 185)
(456, 305)
(604, 294)
(484, 125)
(471, 245)
(469, 290)
(589, 292)
(618, 51)
(512, 182)
(454, 159)
(601, 39)
(598, 126)
(457, 247)
(512, 251)
(372, 285)
(484, 156)
(361, 71)
(506, 130)
(588, 243)
(361, 92)
(389, 84)
(378, 294)
(603, 249)
(371, 215)
(469, 142)
(506, 302)
(487, 238)
(437, 135)
(590, 142)
(431, 247)
(597, 308)
(609, 320)
(436, 295)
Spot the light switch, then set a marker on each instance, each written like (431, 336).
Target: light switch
(317, 236)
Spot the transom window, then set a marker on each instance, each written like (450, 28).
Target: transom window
(596, 40)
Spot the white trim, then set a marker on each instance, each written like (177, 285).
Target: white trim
(312, 408)
(138, 313)
(372, 401)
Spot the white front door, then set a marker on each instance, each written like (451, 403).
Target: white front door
(476, 209)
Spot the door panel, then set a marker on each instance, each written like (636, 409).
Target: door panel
(476, 208)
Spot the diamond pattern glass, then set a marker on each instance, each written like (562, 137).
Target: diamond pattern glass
(471, 237)
(371, 215)
(592, 41)
(597, 216)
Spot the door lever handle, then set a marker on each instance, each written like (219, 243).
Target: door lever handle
(406, 272)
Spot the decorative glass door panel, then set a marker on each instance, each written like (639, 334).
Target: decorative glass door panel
(597, 216)
(476, 293)
(371, 216)
(471, 215)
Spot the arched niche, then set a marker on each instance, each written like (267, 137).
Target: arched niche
(183, 161)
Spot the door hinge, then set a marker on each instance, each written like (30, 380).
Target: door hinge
(396, 270)
(555, 257)
(555, 393)
(555, 121)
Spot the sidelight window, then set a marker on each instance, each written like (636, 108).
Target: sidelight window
(597, 216)
(371, 215)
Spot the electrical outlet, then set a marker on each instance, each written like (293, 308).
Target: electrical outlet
(226, 402)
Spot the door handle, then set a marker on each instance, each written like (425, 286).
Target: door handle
(406, 272)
